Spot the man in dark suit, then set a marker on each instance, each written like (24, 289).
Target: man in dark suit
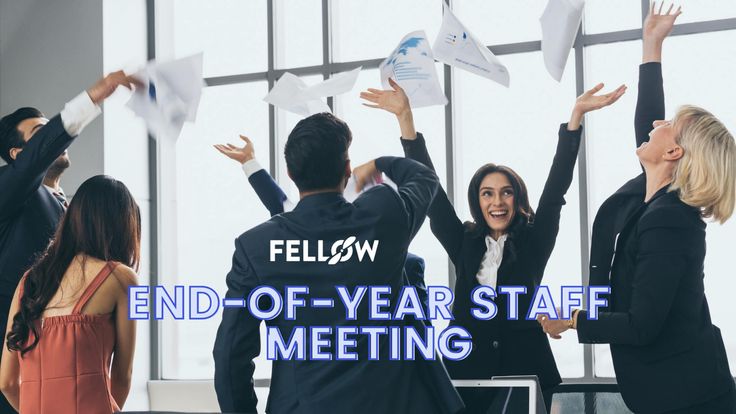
(317, 160)
(31, 200)
(275, 201)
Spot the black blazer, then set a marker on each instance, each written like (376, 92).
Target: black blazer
(29, 214)
(273, 198)
(666, 352)
(382, 214)
(502, 347)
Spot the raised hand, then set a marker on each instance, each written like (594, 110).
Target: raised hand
(589, 101)
(396, 102)
(107, 85)
(241, 155)
(658, 24)
(365, 174)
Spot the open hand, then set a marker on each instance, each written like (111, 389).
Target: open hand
(241, 155)
(394, 101)
(107, 85)
(658, 25)
(365, 174)
(589, 101)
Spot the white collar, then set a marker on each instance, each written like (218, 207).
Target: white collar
(490, 241)
(52, 191)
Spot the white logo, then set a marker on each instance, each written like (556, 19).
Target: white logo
(340, 251)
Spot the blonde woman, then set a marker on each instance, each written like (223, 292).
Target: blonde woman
(648, 243)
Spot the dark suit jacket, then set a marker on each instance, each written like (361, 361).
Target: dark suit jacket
(502, 347)
(273, 198)
(29, 214)
(666, 352)
(362, 386)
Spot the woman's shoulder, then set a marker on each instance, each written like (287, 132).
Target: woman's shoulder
(669, 211)
(125, 276)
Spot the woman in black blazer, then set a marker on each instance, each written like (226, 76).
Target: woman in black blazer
(507, 243)
(648, 243)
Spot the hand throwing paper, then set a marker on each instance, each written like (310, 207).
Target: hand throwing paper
(412, 66)
(457, 47)
(291, 93)
(171, 95)
(560, 22)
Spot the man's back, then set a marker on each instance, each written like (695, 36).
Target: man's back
(370, 239)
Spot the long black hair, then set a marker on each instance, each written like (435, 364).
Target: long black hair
(103, 221)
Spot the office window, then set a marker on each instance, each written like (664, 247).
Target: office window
(231, 33)
(602, 16)
(298, 33)
(369, 29)
(498, 22)
(205, 202)
(212, 206)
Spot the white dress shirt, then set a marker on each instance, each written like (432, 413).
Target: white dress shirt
(488, 273)
(78, 113)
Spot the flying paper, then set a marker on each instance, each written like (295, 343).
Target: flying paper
(412, 66)
(457, 47)
(292, 94)
(170, 96)
(560, 22)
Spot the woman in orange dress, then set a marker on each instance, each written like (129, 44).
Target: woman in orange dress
(70, 311)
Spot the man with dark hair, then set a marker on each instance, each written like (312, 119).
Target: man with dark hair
(317, 160)
(276, 202)
(31, 200)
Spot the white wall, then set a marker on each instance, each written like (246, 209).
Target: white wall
(51, 51)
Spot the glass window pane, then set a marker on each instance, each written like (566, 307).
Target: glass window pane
(499, 21)
(368, 29)
(611, 141)
(518, 127)
(214, 205)
(608, 16)
(298, 33)
(231, 33)
(701, 10)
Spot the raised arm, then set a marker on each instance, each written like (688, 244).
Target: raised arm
(443, 219)
(238, 342)
(547, 220)
(266, 188)
(25, 173)
(650, 101)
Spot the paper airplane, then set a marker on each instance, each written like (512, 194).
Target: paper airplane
(170, 96)
(560, 22)
(457, 47)
(412, 66)
(291, 93)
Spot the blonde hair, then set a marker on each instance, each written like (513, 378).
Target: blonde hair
(705, 176)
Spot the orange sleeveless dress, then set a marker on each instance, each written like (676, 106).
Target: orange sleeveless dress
(68, 370)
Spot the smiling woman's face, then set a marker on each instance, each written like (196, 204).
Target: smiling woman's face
(496, 196)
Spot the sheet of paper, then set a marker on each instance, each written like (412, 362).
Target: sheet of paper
(457, 47)
(412, 66)
(292, 94)
(560, 22)
(171, 95)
